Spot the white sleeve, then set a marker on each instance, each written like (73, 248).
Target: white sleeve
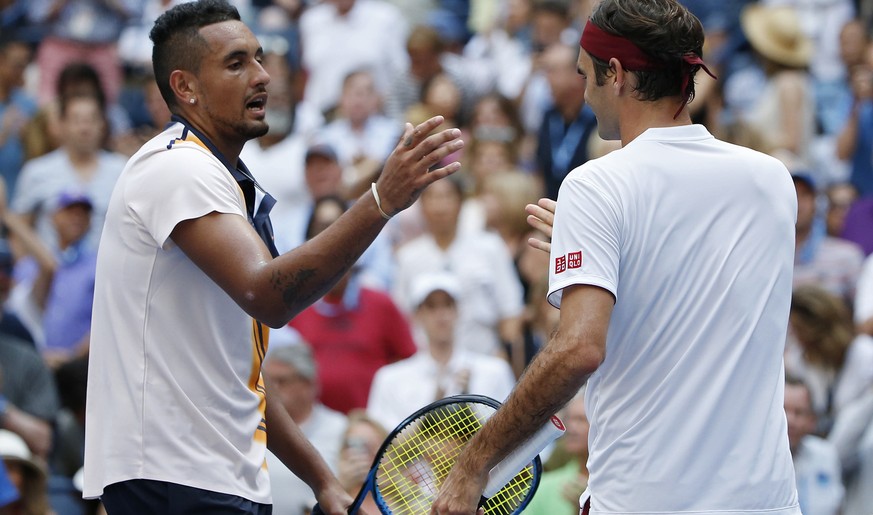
(864, 292)
(190, 183)
(585, 239)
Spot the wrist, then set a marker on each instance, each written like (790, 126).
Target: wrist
(378, 200)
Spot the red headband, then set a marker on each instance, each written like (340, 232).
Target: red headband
(604, 46)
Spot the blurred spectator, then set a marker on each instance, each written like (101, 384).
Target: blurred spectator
(20, 318)
(560, 487)
(290, 373)
(16, 106)
(428, 57)
(79, 164)
(855, 140)
(360, 443)
(816, 463)
(416, 12)
(502, 49)
(504, 196)
(67, 453)
(134, 45)
(440, 369)
(63, 290)
(859, 219)
(81, 31)
(339, 36)
(568, 123)
(822, 22)
(67, 456)
(77, 79)
(353, 330)
(279, 15)
(485, 158)
(8, 492)
(360, 134)
(783, 111)
(824, 351)
(834, 96)
(495, 117)
(551, 23)
(819, 259)
(840, 197)
(28, 399)
(323, 176)
(853, 436)
(157, 117)
(440, 95)
(491, 302)
(27, 474)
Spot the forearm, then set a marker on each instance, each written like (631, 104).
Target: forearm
(290, 445)
(848, 137)
(306, 273)
(548, 383)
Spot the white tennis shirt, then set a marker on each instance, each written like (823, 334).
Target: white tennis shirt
(695, 238)
(174, 385)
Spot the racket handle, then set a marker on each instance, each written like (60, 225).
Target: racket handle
(511, 465)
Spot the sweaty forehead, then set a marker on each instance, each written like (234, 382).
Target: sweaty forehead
(228, 36)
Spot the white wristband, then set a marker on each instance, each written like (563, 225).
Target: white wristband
(385, 215)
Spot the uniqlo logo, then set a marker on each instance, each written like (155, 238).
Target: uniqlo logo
(560, 264)
(574, 259)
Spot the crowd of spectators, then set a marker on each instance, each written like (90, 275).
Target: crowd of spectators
(449, 299)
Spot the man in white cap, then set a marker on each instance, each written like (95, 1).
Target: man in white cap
(440, 369)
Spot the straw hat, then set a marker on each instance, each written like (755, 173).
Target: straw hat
(775, 32)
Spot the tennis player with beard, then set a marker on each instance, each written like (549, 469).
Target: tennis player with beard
(188, 281)
(671, 262)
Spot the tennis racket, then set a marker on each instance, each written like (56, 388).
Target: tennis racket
(419, 453)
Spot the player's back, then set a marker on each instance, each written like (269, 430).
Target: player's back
(686, 409)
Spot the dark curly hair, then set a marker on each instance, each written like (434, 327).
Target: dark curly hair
(177, 40)
(663, 29)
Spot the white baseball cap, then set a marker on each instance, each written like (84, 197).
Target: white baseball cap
(424, 285)
(13, 448)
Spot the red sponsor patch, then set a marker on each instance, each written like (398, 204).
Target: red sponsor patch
(560, 264)
(574, 259)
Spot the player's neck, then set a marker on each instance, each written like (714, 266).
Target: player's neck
(636, 117)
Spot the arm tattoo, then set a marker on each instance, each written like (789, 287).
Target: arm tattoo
(302, 287)
(292, 284)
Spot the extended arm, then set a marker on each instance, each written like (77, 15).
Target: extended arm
(271, 290)
(557, 372)
(291, 446)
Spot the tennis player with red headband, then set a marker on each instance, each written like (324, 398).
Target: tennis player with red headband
(671, 262)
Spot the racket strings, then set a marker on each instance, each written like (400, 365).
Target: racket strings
(420, 457)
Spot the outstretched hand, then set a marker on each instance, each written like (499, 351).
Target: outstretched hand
(541, 216)
(407, 170)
